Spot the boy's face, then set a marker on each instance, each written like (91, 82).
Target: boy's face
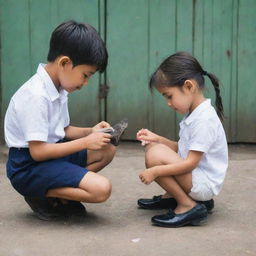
(74, 78)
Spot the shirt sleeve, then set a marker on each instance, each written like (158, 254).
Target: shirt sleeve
(203, 135)
(66, 115)
(32, 114)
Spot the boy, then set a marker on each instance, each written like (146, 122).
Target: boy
(48, 156)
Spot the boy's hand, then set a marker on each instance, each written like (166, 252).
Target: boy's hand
(97, 140)
(146, 136)
(100, 125)
(148, 175)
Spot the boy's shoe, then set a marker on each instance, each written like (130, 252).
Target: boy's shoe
(157, 202)
(118, 131)
(71, 208)
(44, 208)
(196, 216)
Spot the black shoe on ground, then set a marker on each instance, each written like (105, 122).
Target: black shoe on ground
(72, 208)
(196, 216)
(209, 204)
(43, 208)
(157, 202)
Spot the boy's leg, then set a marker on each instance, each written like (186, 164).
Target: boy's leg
(93, 188)
(98, 159)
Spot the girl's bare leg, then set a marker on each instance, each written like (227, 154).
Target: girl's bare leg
(175, 186)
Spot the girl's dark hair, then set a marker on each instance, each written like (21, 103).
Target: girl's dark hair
(80, 42)
(178, 68)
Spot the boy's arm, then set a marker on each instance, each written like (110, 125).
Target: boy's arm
(41, 151)
(73, 132)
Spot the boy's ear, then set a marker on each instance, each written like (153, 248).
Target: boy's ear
(64, 60)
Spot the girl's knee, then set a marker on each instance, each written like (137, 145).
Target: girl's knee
(153, 155)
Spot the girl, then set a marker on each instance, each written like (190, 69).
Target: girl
(191, 171)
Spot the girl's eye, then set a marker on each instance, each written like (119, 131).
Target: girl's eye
(85, 76)
(169, 97)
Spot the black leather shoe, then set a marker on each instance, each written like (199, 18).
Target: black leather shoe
(71, 208)
(209, 204)
(157, 202)
(43, 208)
(196, 216)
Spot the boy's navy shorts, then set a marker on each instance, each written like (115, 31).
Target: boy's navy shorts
(31, 178)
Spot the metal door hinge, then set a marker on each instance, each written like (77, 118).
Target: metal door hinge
(103, 91)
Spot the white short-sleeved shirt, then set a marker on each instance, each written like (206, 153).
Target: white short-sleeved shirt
(202, 131)
(36, 112)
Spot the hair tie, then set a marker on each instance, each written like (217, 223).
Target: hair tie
(205, 73)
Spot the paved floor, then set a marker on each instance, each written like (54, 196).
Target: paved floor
(118, 227)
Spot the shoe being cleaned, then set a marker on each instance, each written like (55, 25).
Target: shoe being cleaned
(116, 131)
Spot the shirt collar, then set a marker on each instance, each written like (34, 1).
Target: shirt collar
(49, 85)
(197, 111)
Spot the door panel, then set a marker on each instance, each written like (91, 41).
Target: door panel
(127, 74)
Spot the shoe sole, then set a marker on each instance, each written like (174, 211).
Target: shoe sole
(197, 222)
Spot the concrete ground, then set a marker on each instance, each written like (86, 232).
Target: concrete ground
(118, 227)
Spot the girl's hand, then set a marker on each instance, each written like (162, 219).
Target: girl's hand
(146, 136)
(97, 140)
(100, 125)
(148, 175)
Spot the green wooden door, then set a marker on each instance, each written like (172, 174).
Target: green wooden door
(139, 34)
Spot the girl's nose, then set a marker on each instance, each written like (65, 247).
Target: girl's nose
(169, 104)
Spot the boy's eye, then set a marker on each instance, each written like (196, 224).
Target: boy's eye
(169, 97)
(85, 76)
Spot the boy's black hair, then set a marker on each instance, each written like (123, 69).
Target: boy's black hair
(80, 42)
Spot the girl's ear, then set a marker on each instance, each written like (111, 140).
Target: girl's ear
(190, 86)
(63, 61)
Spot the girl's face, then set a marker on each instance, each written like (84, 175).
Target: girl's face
(178, 98)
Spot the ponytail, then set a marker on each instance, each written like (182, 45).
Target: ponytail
(179, 67)
(218, 101)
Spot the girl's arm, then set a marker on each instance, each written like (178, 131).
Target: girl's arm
(73, 132)
(182, 167)
(148, 136)
(41, 151)
(169, 143)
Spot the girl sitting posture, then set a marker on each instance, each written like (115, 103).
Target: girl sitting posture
(192, 170)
